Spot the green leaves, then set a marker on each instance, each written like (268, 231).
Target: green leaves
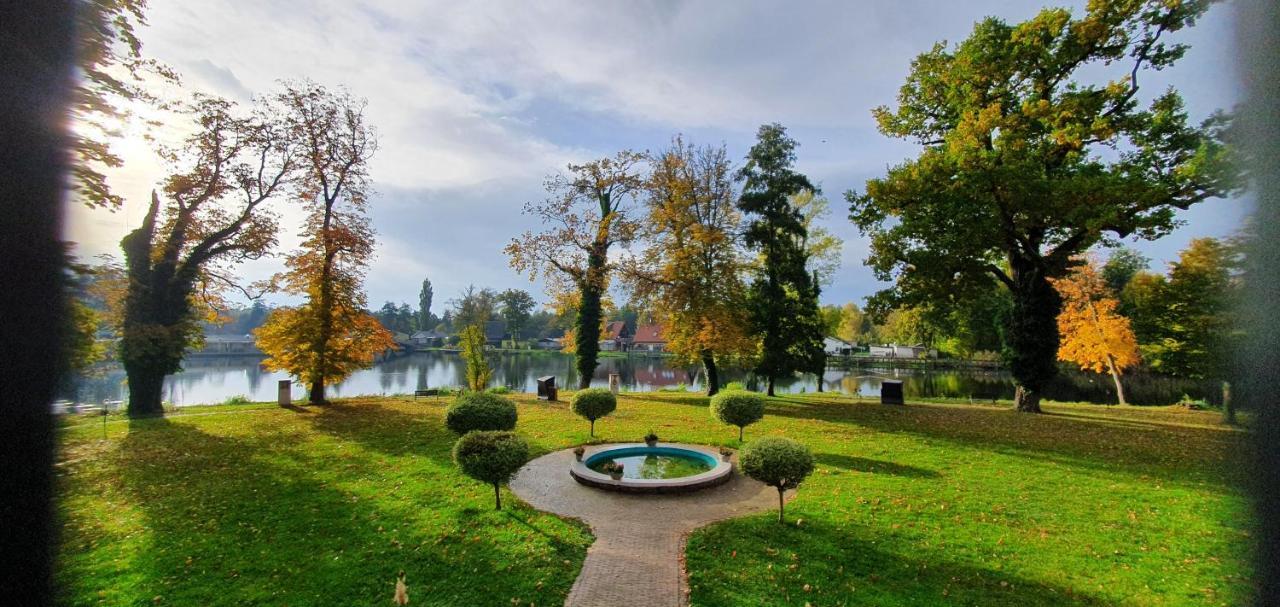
(1021, 172)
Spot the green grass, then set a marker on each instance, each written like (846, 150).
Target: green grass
(918, 505)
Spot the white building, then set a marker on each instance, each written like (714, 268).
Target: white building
(834, 346)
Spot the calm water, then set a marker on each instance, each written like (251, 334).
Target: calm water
(655, 466)
(211, 380)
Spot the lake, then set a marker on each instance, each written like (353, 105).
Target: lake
(212, 380)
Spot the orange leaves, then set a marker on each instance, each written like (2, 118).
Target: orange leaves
(288, 338)
(1093, 334)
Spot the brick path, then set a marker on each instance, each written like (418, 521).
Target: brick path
(636, 557)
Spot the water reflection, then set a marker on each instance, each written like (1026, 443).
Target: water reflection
(214, 379)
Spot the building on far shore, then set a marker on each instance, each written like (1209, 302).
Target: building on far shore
(902, 351)
(616, 337)
(428, 339)
(549, 343)
(228, 345)
(835, 346)
(649, 338)
(495, 332)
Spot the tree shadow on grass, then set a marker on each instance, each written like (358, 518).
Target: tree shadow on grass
(872, 466)
(699, 400)
(257, 519)
(737, 562)
(1177, 452)
(386, 430)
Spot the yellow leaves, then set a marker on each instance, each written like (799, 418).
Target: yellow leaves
(290, 338)
(477, 371)
(1094, 335)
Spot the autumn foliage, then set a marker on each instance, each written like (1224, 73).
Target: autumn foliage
(691, 271)
(331, 335)
(1092, 333)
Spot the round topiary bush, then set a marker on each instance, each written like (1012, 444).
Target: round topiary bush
(738, 408)
(778, 462)
(491, 457)
(593, 404)
(480, 411)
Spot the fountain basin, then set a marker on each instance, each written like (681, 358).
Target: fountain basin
(665, 468)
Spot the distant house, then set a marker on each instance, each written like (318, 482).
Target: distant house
(649, 338)
(616, 337)
(549, 343)
(428, 339)
(495, 331)
(884, 351)
(916, 351)
(835, 346)
(902, 351)
(402, 339)
(228, 345)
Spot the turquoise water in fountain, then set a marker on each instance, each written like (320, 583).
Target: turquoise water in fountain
(653, 462)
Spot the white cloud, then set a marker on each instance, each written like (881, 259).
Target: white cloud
(475, 102)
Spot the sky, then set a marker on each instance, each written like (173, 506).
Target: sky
(476, 103)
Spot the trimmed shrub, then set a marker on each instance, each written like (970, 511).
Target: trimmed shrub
(480, 411)
(738, 408)
(735, 385)
(491, 457)
(499, 390)
(593, 404)
(778, 462)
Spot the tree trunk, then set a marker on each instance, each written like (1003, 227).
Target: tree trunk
(781, 505)
(1115, 376)
(315, 394)
(1026, 400)
(1032, 332)
(497, 497)
(820, 377)
(740, 430)
(146, 386)
(1228, 409)
(587, 334)
(324, 310)
(713, 374)
(593, 428)
(770, 391)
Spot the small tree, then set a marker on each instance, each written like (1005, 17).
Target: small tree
(491, 457)
(1093, 334)
(478, 371)
(738, 408)
(778, 462)
(480, 411)
(593, 404)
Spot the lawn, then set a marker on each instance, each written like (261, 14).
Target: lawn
(917, 505)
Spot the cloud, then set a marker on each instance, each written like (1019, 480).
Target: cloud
(475, 103)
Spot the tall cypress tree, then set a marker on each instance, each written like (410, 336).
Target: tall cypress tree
(424, 306)
(783, 298)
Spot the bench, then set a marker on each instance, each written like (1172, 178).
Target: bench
(429, 392)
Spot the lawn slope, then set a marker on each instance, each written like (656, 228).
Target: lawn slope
(916, 505)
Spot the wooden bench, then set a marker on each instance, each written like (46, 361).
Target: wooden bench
(429, 392)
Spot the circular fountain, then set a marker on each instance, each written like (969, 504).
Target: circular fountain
(664, 468)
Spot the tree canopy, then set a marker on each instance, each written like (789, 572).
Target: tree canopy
(588, 211)
(783, 298)
(691, 272)
(1093, 334)
(1028, 162)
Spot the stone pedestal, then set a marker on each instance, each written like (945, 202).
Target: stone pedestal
(615, 382)
(285, 392)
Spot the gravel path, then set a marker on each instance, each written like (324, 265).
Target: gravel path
(636, 557)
